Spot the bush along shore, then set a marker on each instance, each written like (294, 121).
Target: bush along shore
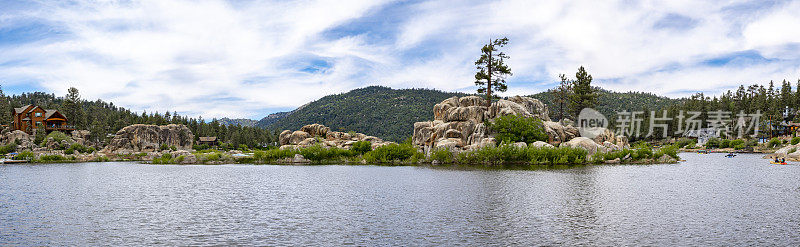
(505, 155)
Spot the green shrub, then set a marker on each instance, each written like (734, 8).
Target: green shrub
(670, 150)
(441, 155)
(75, 147)
(163, 147)
(683, 142)
(795, 140)
(598, 158)
(57, 136)
(713, 143)
(774, 142)
(642, 151)
(620, 154)
(725, 143)
(273, 154)
(391, 153)
(212, 156)
(244, 147)
(201, 147)
(25, 155)
(509, 154)
(513, 128)
(361, 147)
(102, 159)
(319, 153)
(9, 148)
(737, 142)
(52, 158)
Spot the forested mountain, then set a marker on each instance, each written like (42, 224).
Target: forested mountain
(378, 111)
(240, 121)
(270, 119)
(104, 118)
(609, 102)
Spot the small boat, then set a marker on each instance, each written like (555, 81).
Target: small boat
(778, 163)
(702, 151)
(730, 155)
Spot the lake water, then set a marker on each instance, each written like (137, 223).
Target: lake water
(707, 200)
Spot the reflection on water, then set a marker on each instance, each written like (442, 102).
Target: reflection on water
(707, 200)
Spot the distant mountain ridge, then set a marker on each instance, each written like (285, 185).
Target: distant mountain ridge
(272, 118)
(238, 121)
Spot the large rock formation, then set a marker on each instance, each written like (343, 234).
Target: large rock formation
(460, 123)
(82, 137)
(148, 138)
(317, 134)
(24, 141)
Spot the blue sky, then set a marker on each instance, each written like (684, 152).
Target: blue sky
(247, 59)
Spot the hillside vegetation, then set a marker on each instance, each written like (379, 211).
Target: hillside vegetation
(609, 102)
(378, 111)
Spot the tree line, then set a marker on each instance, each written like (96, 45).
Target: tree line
(104, 119)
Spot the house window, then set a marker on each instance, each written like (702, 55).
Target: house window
(39, 124)
(38, 114)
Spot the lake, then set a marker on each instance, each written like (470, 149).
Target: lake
(707, 200)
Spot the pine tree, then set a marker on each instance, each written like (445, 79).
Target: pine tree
(563, 94)
(583, 95)
(73, 107)
(786, 94)
(5, 108)
(492, 71)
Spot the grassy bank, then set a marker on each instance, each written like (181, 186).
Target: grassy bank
(405, 154)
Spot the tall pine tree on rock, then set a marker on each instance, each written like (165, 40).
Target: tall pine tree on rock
(583, 95)
(492, 71)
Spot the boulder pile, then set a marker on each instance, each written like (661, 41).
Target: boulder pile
(148, 138)
(317, 134)
(789, 152)
(24, 141)
(460, 124)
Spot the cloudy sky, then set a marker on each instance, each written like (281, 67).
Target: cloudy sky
(249, 58)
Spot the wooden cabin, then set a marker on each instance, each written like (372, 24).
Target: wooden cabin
(211, 141)
(31, 117)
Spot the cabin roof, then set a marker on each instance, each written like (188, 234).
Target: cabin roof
(49, 113)
(208, 138)
(20, 109)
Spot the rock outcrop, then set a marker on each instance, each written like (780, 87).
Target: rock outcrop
(585, 143)
(558, 133)
(148, 138)
(82, 137)
(317, 134)
(22, 139)
(460, 123)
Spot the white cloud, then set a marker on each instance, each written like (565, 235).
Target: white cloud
(235, 59)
